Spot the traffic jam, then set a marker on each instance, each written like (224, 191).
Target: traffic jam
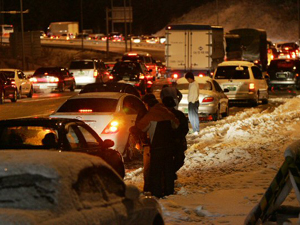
(117, 111)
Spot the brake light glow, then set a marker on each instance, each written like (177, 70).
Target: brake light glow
(85, 110)
(95, 73)
(149, 82)
(200, 75)
(175, 76)
(297, 75)
(142, 77)
(148, 77)
(251, 87)
(33, 79)
(111, 128)
(13, 82)
(53, 79)
(132, 54)
(111, 77)
(208, 99)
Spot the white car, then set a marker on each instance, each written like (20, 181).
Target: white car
(213, 103)
(23, 84)
(41, 187)
(110, 114)
(244, 80)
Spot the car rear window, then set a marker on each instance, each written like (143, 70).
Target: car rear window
(8, 74)
(232, 72)
(47, 70)
(282, 65)
(89, 105)
(132, 58)
(82, 65)
(127, 67)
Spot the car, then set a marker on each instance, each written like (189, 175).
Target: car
(284, 73)
(53, 79)
(244, 80)
(213, 102)
(86, 71)
(111, 87)
(23, 84)
(136, 39)
(287, 50)
(134, 73)
(51, 187)
(144, 57)
(152, 40)
(110, 114)
(84, 36)
(8, 89)
(115, 37)
(57, 134)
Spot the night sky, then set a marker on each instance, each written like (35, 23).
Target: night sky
(149, 16)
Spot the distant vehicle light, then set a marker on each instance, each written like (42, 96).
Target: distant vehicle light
(201, 75)
(132, 54)
(111, 77)
(53, 79)
(251, 87)
(85, 110)
(175, 76)
(111, 128)
(95, 73)
(33, 79)
(208, 99)
(149, 82)
(142, 77)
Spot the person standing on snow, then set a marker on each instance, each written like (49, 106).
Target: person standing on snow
(159, 122)
(193, 99)
(171, 91)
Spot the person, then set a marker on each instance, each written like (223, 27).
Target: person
(50, 141)
(159, 122)
(193, 99)
(171, 91)
(179, 134)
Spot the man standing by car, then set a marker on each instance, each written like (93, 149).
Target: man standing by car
(179, 134)
(159, 122)
(193, 99)
(171, 91)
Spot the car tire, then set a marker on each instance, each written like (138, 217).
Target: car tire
(19, 94)
(15, 97)
(225, 114)
(29, 95)
(2, 97)
(216, 116)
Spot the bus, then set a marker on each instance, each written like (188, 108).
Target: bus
(6, 30)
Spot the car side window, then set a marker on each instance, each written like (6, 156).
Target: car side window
(217, 86)
(90, 139)
(21, 75)
(73, 139)
(256, 72)
(132, 105)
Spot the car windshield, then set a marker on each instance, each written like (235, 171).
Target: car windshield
(28, 137)
(83, 105)
(232, 72)
(8, 74)
(82, 65)
(27, 191)
(46, 70)
(127, 68)
(286, 65)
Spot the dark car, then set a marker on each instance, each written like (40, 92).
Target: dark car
(135, 73)
(284, 73)
(110, 87)
(52, 78)
(58, 134)
(8, 89)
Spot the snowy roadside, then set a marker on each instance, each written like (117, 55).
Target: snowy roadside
(229, 165)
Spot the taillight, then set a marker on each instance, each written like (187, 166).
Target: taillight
(297, 75)
(111, 128)
(149, 82)
(33, 79)
(95, 73)
(208, 99)
(272, 57)
(111, 77)
(251, 87)
(85, 110)
(142, 77)
(149, 77)
(13, 82)
(53, 79)
(175, 76)
(201, 75)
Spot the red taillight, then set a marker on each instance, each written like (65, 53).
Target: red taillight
(13, 82)
(272, 57)
(95, 73)
(111, 128)
(132, 54)
(149, 77)
(297, 74)
(175, 76)
(251, 87)
(142, 77)
(201, 75)
(85, 110)
(149, 82)
(53, 79)
(33, 79)
(208, 99)
(111, 77)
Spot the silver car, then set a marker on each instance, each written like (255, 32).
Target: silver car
(213, 103)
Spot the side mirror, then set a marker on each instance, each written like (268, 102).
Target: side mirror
(108, 143)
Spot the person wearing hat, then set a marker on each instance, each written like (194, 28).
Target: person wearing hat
(159, 123)
(179, 134)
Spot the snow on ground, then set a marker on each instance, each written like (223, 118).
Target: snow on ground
(229, 165)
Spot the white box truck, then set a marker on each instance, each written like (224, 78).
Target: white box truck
(61, 29)
(193, 47)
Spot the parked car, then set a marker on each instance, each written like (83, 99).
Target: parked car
(111, 87)
(244, 80)
(110, 114)
(213, 103)
(144, 57)
(51, 187)
(57, 135)
(8, 89)
(23, 84)
(86, 71)
(134, 73)
(52, 78)
(284, 73)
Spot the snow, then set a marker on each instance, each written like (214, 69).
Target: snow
(230, 164)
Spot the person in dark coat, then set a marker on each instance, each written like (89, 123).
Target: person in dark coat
(171, 91)
(179, 134)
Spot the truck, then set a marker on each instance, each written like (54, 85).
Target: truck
(61, 29)
(193, 47)
(254, 45)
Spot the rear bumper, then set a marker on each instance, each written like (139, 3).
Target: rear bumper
(44, 86)
(278, 82)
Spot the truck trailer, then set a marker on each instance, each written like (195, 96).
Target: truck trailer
(60, 29)
(193, 47)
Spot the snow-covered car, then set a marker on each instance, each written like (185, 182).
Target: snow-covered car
(57, 135)
(110, 114)
(244, 80)
(23, 84)
(213, 103)
(51, 187)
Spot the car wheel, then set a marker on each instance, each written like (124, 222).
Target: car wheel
(217, 115)
(72, 88)
(29, 95)
(130, 149)
(226, 113)
(15, 97)
(62, 87)
(2, 97)
(19, 94)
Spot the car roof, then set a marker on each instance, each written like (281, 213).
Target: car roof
(236, 63)
(182, 80)
(110, 95)
(12, 70)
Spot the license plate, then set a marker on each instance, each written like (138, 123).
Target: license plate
(281, 76)
(231, 88)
